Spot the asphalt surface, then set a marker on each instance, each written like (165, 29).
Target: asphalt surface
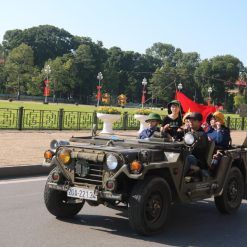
(22, 151)
(25, 222)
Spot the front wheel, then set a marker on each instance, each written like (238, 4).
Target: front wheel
(57, 203)
(233, 192)
(149, 205)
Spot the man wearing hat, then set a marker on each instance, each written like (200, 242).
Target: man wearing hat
(153, 121)
(198, 156)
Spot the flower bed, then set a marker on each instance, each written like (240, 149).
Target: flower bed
(142, 111)
(108, 110)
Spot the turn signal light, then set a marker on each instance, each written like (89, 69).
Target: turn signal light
(64, 156)
(48, 154)
(135, 166)
(110, 185)
(55, 177)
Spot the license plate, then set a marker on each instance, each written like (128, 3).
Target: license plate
(82, 193)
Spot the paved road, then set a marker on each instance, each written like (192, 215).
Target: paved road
(25, 222)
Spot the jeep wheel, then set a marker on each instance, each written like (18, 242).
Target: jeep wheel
(233, 191)
(56, 203)
(149, 205)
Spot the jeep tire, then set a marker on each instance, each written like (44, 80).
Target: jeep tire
(56, 203)
(149, 205)
(233, 192)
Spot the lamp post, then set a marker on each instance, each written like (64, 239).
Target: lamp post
(210, 90)
(180, 86)
(144, 83)
(99, 77)
(18, 92)
(47, 70)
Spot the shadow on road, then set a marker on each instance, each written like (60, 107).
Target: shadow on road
(196, 224)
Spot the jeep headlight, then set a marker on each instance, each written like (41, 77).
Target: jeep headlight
(65, 156)
(189, 139)
(54, 144)
(111, 162)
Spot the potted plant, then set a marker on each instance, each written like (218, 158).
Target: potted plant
(141, 115)
(108, 115)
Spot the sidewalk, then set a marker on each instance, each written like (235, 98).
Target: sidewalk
(22, 151)
(20, 148)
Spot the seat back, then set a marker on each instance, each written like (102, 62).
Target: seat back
(245, 142)
(209, 152)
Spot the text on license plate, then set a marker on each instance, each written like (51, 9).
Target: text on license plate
(82, 193)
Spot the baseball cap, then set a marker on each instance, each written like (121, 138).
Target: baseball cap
(195, 116)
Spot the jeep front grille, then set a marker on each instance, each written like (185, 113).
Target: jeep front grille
(93, 174)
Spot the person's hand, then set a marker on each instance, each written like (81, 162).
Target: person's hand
(179, 130)
(166, 127)
(218, 125)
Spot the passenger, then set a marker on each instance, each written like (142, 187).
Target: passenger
(220, 134)
(186, 125)
(173, 121)
(206, 125)
(153, 121)
(197, 159)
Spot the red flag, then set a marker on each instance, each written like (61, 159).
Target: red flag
(191, 106)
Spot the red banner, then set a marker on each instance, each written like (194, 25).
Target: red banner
(46, 88)
(191, 106)
(46, 82)
(143, 99)
(98, 95)
(46, 91)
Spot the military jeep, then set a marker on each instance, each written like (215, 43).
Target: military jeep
(146, 177)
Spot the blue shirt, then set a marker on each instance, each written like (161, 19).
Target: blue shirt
(221, 137)
(146, 133)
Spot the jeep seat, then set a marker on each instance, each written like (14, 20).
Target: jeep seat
(209, 152)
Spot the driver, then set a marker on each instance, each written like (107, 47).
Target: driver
(197, 159)
(173, 121)
(153, 121)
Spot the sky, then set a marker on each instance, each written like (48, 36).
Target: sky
(209, 27)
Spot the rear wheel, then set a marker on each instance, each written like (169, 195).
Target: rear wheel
(57, 203)
(233, 192)
(149, 205)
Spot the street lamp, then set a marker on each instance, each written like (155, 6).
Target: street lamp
(99, 77)
(180, 87)
(144, 83)
(47, 70)
(210, 90)
(19, 90)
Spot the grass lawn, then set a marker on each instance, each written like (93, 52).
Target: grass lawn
(67, 107)
(30, 105)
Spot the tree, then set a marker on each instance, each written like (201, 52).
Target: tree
(47, 42)
(238, 100)
(19, 68)
(163, 52)
(220, 73)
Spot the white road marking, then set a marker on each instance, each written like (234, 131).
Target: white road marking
(22, 180)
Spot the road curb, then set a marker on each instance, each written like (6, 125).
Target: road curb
(23, 171)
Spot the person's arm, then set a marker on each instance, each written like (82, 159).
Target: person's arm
(223, 137)
(165, 124)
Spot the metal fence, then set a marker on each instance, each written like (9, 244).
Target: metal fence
(27, 119)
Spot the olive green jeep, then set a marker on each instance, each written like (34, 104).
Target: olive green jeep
(146, 177)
